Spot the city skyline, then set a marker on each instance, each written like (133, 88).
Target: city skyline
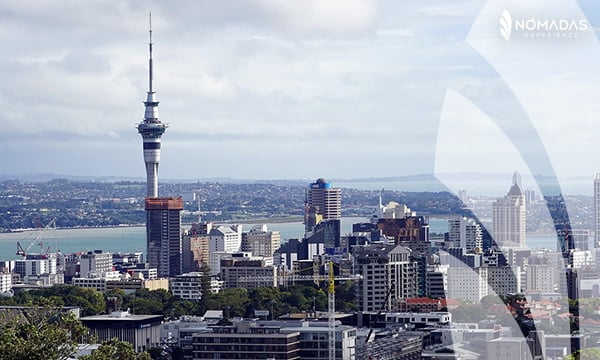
(262, 88)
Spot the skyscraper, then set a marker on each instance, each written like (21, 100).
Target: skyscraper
(323, 202)
(163, 215)
(508, 216)
(163, 235)
(151, 129)
(597, 208)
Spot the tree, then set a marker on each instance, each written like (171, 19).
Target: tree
(233, 302)
(39, 334)
(584, 354)
(115, 349)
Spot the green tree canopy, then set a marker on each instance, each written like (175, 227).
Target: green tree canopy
(585, 354)
(115, 349)
(39, 334)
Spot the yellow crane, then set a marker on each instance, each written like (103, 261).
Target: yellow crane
(330, 278)
(287, 277)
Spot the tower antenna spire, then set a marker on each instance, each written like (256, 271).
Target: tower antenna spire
(150, 77)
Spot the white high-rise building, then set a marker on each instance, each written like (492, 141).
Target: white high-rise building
(225, 239)
(465, 233)
(508, 217)
(95, 264)
(597, 208)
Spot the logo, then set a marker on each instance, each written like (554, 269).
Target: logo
(506, 25)
(535, 27)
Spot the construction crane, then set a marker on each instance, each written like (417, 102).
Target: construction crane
(331, 311)
(317, 278)
(330, 278)
(23, 252)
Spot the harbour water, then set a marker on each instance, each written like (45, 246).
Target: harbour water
(126, 239)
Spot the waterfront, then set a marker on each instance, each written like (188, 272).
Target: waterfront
(122, 239)
(127, 239)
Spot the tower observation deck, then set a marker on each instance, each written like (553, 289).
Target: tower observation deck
(151, 129)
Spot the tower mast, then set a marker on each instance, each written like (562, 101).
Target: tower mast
(151, 128)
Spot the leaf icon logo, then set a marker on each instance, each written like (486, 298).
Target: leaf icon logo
(505, 25)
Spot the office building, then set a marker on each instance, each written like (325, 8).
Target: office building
(384, 268)
(130, 285)
(508, 217)
(128, 258)
(248, 272)
(163, 234)
(246, 340)
(314, 340)
(260, 241)
(306, 340)
(142, 331)
(465, 283)
(325, 235)
(509, 348)
(410, 231)
(437, 281)
(188, 286)
(504, 280)
(95, 264)
(323, 202)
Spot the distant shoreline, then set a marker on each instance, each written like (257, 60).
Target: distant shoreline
(16, 231)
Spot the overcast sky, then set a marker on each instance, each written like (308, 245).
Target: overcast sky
(275, 89)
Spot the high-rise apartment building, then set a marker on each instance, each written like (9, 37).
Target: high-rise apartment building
(323, 202)
(508, 217)
(163, 235)
(384, 268)
(465, 233)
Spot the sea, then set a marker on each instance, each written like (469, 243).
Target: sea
(133, 239)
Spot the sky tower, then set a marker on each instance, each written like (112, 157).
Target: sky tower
(151, 130)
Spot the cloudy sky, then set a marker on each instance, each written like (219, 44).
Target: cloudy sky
(294, 89)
